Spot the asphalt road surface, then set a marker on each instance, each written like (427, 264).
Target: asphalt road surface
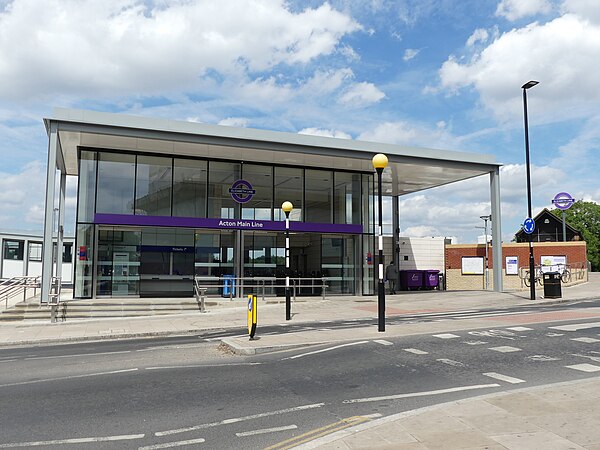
(186, 391)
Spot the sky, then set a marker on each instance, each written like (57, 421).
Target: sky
(443, 74)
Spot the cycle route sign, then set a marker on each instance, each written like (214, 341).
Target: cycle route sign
(529, 225)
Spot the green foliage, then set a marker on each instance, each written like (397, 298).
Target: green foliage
(585, 217)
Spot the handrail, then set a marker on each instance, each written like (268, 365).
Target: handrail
(203, 283)
(14, 286)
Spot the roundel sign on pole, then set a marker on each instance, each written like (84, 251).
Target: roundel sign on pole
(563, 200)
(529, 225)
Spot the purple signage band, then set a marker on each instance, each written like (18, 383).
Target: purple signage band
(225, 224)
(563, 200)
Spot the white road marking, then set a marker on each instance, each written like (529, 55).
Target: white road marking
(421, 394)
(7, 360)
(554, 334)
(576, 326)
(506, 378)
(451, 362)
(69, 377)
(519, 329)
(542, 358)
(494, 333)
(73, 441)
(475, 342)
(587, 340)
(593, 358)
(505, 349)
(325, 350)
(416, 351)
(194, 366)
(584, 367)
(77, 355)
(266, 430)
(239, 419)
(446, 336)
(383, 342)
(172, 444)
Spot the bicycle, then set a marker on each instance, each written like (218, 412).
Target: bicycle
(565, 273)
(538, 277)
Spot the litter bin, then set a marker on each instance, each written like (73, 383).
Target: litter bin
(228, 286)
(411, 279)
(552, 288)
(431, 279)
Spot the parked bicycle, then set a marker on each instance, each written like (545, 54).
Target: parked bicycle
(565, 273)
(538, 277)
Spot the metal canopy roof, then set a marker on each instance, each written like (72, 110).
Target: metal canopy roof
(410, 169)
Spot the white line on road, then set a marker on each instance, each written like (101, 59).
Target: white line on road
(416, 351)
(70, 377)
(77, 355)
(7, 360)
(450, 362)
(421, 394)
(325, 350)
(505, 349)
(172, 444)
(576, 326)
(446, 336)
(383, 342)
(587, 340)
(506, 378)
(519, 329)
(266, 430)
(73, 441)
(194, 366)
(239, 419)
(584, 367)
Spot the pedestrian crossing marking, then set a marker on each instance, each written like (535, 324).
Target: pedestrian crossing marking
(506, 378)
(446, 336)
(505, 349)
(584, 367)
(520, 329)
(576, 326)
(383, 342)
(587, 340)
(416, 351)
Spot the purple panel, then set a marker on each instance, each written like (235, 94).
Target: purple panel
(224, 224)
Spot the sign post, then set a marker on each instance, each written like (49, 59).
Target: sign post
(563, 201)
(252, 315)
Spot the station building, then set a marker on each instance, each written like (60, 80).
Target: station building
(160, 202)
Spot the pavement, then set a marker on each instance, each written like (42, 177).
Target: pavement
(558, 416)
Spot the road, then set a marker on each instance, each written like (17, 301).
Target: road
(163, 393)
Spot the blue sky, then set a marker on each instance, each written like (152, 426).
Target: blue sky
(440, 74)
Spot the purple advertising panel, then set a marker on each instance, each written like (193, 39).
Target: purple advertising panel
(224, 224)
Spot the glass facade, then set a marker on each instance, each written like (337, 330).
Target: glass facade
(144, 260)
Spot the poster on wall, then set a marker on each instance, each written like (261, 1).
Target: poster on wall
(472, 265)
(512, 265)
(553, 263)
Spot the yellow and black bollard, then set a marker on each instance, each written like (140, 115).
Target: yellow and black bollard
(252, 315)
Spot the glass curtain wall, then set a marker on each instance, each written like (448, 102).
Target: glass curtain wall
(189, 187)
(221, 176)
(260, 207)
(347, 198)
(318, 195)
(288, 187)
(116, 181)
(154, 176)
(118, 262)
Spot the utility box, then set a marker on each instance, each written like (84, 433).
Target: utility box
(552, 287)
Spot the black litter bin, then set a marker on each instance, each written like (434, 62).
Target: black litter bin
(552, 287)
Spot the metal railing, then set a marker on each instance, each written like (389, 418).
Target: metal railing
(229, 286)
(12, 288)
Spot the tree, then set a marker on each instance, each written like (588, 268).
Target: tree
(585, 217)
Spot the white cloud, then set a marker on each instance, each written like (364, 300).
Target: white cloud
(412, 134)
(325, 133)
(410, 53)
(517, 9)
(586, 9)
(234, 122)
(561, 54)
(361, 94)
(136, 46)
(479, 35)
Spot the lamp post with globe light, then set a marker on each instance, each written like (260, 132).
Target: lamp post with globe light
(380, 162)
(287, 209)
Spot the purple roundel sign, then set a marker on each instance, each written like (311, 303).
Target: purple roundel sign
(242, 191)
(563, 200)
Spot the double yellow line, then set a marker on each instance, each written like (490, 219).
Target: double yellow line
(319, 432)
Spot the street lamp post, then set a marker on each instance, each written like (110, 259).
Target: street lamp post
(380, 162)
(525, 87)
(487, 265)
(287, 209)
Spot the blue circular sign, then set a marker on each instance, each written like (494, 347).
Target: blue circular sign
(529, 225)
(242, 191)
(563, 200)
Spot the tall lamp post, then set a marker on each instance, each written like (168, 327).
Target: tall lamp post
(380, 162)
(487, 265)
(287, 209)
(525, 87)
